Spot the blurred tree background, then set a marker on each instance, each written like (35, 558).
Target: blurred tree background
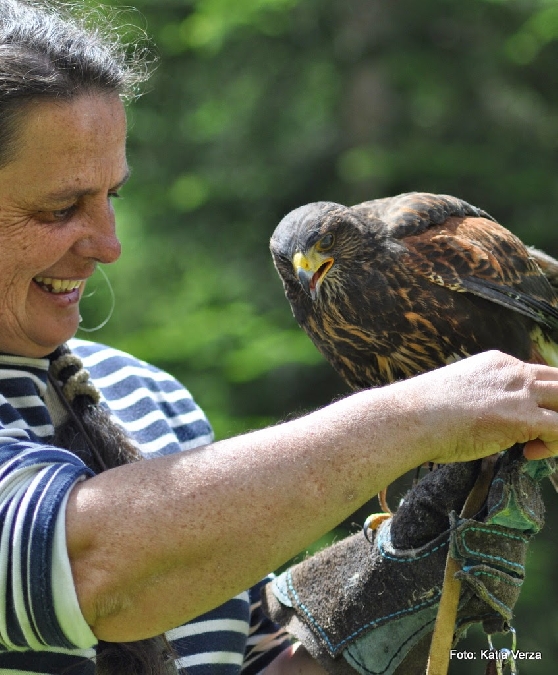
(259, 106)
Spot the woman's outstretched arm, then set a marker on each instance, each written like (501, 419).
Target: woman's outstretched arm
(154, 544)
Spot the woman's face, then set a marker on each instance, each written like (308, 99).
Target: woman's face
(56, 217)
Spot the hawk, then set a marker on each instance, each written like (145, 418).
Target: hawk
(394, 287)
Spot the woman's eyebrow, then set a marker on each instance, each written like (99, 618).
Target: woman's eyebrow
(74, 193)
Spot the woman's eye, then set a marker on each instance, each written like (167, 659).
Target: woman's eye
(57, 215)
(63, 214)
(326, 242)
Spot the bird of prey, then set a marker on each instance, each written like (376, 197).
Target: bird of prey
(394, 287)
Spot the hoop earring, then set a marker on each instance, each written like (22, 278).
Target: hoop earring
(112, 304)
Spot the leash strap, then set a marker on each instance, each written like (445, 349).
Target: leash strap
(442, 639)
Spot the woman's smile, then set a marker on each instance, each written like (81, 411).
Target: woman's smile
(58, 286)
(61, 292)
(56, 217)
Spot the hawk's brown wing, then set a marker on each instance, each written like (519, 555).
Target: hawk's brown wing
(462, 248)
(414, 212)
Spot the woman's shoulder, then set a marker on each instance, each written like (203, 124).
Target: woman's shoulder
(149, 402)
(102, 360)
(94, 353)
(114, 370)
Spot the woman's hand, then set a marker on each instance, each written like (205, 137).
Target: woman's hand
(486, 403)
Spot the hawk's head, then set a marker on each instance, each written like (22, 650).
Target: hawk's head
(316, 246)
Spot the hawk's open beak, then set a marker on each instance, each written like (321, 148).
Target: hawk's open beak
(311, 270)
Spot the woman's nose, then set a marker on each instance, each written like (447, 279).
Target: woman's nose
(98, 240)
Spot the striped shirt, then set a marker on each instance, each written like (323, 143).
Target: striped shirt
(42, 630)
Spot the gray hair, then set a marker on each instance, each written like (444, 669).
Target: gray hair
(60, 50)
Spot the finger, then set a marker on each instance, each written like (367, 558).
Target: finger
(546, 392)
(538, 449)
(545, 373)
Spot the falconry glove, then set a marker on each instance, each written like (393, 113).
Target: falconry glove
(368, 603)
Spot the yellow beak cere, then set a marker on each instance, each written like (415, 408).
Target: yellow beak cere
(311, 270)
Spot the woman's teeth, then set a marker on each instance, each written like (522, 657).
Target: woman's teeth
(58, 285)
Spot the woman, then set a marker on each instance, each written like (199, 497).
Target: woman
(98, 549)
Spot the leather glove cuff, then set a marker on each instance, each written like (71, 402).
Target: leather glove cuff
(369, 604)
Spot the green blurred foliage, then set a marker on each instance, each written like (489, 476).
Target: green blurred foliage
(259, 106)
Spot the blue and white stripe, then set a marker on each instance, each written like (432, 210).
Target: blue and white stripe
(42, 630)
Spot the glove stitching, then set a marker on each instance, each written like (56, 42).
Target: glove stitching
(507, 610)
(334, 647)
(510, 580)
(485, 556)
(382, 540)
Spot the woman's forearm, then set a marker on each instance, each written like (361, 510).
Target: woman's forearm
(156, 543)
(168, 539)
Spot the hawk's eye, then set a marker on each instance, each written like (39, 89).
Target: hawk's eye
(326, 242)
